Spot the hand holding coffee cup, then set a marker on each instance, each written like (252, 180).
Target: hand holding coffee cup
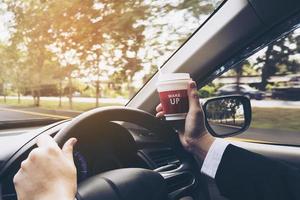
(193, 134)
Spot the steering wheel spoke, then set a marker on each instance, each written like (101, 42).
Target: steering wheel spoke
(124, 184)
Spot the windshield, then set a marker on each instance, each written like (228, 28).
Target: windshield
(59, 58)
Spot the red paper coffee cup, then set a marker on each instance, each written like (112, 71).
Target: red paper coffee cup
(172, 89)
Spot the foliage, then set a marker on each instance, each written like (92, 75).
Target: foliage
(277, 58)
(280, 58)
(102, 43)
(207, 91)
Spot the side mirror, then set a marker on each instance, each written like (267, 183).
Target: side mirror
(227, 115)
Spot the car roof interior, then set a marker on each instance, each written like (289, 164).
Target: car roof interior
(236, 28)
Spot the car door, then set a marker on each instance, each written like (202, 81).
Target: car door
(275, 127)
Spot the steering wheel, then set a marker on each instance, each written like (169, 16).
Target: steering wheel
(121, 184)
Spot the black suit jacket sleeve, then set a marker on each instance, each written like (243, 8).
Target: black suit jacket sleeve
(243, 175)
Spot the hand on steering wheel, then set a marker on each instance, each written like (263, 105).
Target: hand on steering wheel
(49, 167)
(48, 173)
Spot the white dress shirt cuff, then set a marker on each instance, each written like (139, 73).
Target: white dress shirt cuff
(214, 157)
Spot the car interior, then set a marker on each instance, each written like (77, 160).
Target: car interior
(142, 155)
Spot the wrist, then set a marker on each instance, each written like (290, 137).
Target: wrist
(57, 193)
(202, 145)
(55, 196)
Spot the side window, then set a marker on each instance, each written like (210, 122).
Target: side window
(271, 79)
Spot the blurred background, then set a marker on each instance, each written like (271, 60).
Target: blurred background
(83, 54)
(59, 58)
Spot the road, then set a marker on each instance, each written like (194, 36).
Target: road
(11, 114)
(270, 136)
(223, 129)
(16, 117)
(275, 104)
(260, 135)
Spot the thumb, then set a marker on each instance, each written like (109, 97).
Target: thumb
(68, 148)
(193, 96)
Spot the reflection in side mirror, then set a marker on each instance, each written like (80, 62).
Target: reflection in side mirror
(227, 115)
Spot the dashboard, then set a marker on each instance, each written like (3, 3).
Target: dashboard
(118, 145)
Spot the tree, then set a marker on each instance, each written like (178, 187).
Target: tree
(33, 21)
(103, 39)
(3, 72)
(13, 71)
(277, 58)
(4, 78)
(166, 34)
(239, 71)
(232, 106)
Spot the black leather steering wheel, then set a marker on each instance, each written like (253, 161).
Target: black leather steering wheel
(121, 184)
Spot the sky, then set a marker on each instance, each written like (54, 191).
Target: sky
(6, 23)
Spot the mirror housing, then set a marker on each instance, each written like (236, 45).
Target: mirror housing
(227, 115)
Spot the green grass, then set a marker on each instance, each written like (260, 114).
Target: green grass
(276, 118)
(53, 105)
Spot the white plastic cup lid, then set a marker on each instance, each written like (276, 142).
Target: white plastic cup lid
(173, 77)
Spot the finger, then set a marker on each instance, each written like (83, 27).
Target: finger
(24, 164)
(17, 178)
(193, 96)
(33, 154)
(159, 108)
(160, 114)
(68, 148)
(45, 141)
